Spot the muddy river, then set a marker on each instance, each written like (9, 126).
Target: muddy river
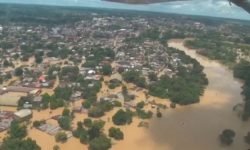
(196, 127)
(193, 127)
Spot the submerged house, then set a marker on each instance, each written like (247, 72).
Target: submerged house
(23, 115)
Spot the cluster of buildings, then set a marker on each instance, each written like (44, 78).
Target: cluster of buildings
(6, 117)
(35, 54)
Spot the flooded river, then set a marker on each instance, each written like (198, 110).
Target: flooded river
(196, 127)
(192, 127)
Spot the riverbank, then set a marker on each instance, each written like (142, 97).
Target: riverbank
(192, 127)
(198, 126)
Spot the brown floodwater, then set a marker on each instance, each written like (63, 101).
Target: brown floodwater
(192, 127)
(196, 127)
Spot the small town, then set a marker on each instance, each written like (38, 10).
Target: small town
(73, 82)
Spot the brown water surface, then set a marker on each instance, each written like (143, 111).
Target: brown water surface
(196, 127)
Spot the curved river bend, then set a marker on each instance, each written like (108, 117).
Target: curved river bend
(196, 127)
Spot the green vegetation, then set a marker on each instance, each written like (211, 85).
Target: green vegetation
(63, 93)
(144, 114)
(38, 123)
(100, 143)
(114, 83)
(97, 56)
(65, 120)
(152, 76)
(116, 133)
(45, 100)
(135, 77)
(140, 105)
(215, 49)
(17, 144)
(16, 139)
(17, 130)
(69, 73)
(81, 133)
(52, 101)
(242, 71)
(186, 87)
(19, 71)
(88, 122)
(56, 103)
(122, 117)
(61, 137)
(106, 69)
(96, 112)
(96, 129)
(227, 137)
(99, 109)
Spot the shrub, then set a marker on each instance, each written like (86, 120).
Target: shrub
(61, 137)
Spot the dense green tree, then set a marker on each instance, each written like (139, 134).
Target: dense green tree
(242, 71)
(116, 133)
(140, 105)
(88, 122)
(38, 123)
(122, 117)
(19, 71)
(95, 130)
(45, 100)
(17, 130)
(96, 112)
(86, 104)
(81, 133)
(64, 53)
(100, 143)
(69, 72)
(56, 103)
(134, 77)
(38, 59)
(106, 70)
(18, 144)
(63, 92)
(84, 137)
(227, 137)
(65, 122)
(143, 114)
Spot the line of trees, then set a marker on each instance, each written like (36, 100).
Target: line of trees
(242, 71)
(16, 140)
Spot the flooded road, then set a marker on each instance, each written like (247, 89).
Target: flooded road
(196, 127)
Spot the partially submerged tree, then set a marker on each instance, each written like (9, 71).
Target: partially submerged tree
(227, 137)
